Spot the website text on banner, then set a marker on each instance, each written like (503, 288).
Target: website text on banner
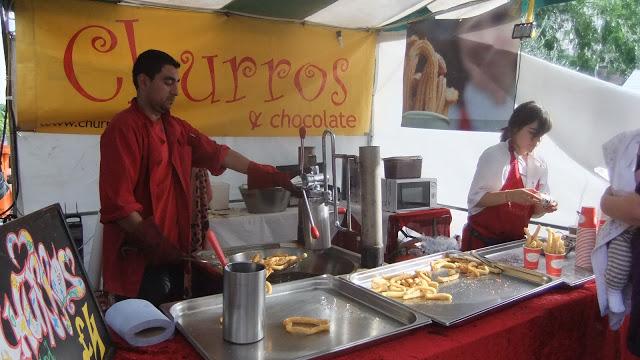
(239, 76)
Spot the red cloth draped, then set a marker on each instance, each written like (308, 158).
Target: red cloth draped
(430, 222)
(562, 324)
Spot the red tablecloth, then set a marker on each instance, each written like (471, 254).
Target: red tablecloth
(562, 324)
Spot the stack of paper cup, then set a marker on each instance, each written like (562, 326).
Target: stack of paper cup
(586, 238)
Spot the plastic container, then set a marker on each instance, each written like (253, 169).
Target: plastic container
(402, 167)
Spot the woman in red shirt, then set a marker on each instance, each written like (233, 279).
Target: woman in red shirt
(509, 182)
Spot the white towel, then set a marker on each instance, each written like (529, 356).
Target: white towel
(139, 322)
(620, 154)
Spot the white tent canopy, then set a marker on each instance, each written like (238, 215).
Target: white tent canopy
(351, 14)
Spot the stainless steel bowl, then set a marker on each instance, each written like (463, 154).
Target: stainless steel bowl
(334, 260)
(262, 201)
(328, 261)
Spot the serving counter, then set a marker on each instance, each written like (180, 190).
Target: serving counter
(561, 324)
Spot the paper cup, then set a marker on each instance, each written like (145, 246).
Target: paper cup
(531, 257)
(554, 263)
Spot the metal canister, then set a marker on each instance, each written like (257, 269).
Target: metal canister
(243, 300)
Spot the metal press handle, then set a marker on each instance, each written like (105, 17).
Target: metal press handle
(314, 230)
(303, 134)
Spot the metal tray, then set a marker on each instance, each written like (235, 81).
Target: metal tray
(472, 297)
(511, 253)
(356, 316)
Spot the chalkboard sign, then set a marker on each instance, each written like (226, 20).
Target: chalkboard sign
(47, 306)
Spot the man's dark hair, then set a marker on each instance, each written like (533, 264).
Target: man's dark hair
(525, 114)
(150, 63)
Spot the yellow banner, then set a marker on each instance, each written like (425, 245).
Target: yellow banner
(239, 76)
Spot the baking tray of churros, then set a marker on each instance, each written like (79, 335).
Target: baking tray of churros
(303, 319)
(452, 287)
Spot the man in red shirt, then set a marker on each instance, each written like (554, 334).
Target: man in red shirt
(146, 157)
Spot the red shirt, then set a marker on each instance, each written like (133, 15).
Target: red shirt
(145, 166)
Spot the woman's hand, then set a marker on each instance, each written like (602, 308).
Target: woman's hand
(541, 209)
(553, 206)
(523, 196)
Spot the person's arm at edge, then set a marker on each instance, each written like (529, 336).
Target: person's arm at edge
(625, 208)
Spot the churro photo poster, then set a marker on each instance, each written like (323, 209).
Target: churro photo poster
(462, 71)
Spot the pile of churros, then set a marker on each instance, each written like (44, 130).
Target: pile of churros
(532, 240)
(423, 284)
(555, 244)
(305, 325)
(275, 263)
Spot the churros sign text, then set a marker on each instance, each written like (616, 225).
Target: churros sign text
(239, 76)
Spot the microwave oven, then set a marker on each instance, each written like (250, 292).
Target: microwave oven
(400, 195)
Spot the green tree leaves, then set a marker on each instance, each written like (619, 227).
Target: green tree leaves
(587, 35)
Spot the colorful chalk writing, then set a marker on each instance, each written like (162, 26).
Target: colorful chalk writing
(47, 308)
(46, 353)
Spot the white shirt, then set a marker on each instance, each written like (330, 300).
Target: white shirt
(493, 169)
(620, 156)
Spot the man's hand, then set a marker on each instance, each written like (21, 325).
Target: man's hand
(155, 247)
(261, 176)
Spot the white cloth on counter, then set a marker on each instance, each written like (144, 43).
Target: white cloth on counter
(237, 227)
(139, 322)
(492, 171)
(620, 156)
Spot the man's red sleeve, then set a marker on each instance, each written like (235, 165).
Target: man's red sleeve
(120, 159)
(206, 153)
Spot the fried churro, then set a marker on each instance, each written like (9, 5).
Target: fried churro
(305, 325)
